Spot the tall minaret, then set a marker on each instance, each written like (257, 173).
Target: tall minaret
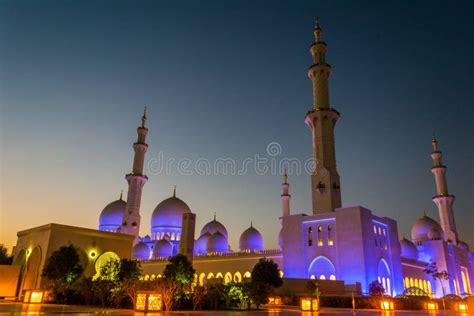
(285, 197)
(136, 180)
(326, 191)
(443, 200)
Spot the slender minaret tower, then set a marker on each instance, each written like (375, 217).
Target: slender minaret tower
(136, 180)
(325, 185)
(285, 197)
(443, 200)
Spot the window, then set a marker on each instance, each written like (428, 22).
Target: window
(332, 277)
(330, 240)
(322, 277)
(310, 236)
(320, 236)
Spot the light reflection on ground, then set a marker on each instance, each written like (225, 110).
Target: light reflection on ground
(42, 309)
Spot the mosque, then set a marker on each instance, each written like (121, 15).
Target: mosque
(351, 246)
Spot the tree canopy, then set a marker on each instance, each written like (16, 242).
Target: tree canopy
(179, 269)
(4, 257)
(63, 265)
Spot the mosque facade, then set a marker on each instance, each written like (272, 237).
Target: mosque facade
(332, 243)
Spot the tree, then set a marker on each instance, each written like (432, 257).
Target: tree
(179, 269)
(129, 270)
(199, 293)
(441, 276)
(376, 288)
(215, 294)
(265, 278)
(312, 287)
(240, 293)
(63, 265)
(168, 288)
(4, 257)
(63, 268)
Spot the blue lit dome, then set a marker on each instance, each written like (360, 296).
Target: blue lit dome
(425, 228)
(251, 239)
(141, 251)
(169, 214)
(162, 249)
(213, 227)
(217, 243)
(408, 249)
(111, 217)
(200, 246)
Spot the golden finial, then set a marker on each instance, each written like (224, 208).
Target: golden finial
(144, 118)
(285, 177)
(121, 193)
(424, 214)
(434, 142)
(214, 216)
(318, 31)
(174, 191)
(251, 224)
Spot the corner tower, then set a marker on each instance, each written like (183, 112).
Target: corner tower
(443, 200)
(136, 180)
(325, 185)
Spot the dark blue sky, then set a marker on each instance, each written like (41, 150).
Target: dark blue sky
(224, 79)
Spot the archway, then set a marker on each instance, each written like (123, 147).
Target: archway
(237, 277)
(227, 278)
(384, 276)
(103, 259)
(202, 279)
(32, 269)
(322, 268)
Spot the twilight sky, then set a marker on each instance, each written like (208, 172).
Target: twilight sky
(223, 79)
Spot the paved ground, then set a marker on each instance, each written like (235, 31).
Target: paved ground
(7, 308)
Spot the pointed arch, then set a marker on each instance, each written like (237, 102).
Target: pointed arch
(227, 278)
(321, 266)
(202, 279)
(237, 277)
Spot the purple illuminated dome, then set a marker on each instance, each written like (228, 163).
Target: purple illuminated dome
(213, 227)
(408, 249)
(217, 242)
(200, 246)
(112, 215)
(251, 239)
(141, 251)
(425, 228)
(169, 214)
(162, 249)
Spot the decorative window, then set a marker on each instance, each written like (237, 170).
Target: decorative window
(310, 236)
(320, 236)
(330, 240)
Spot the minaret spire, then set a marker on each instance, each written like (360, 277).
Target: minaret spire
(285, 197)
(136, 180)
(326, 192)
(443, 200)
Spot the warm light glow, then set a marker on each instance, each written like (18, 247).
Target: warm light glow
(462, 307)
(305, 304)
(92, 254)
(34, 297)
(431, 306)
(154, 302)
(140, 302)
(309, 304)
(386, 305)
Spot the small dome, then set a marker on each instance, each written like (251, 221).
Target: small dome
(141, 251)
(423, 226)
(280, 239)
(463, 245)
(217, 243)
(162, 249)
(251, 239)
(200, 246)
(169, 213)
(215, 226)
(408, 249)
(147, 239)
(112, 215)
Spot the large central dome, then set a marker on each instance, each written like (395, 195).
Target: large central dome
(169, 213)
